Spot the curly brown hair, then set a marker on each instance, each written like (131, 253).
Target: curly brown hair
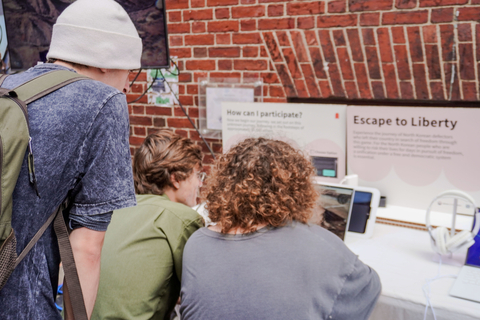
(260, 181)
(161, 154)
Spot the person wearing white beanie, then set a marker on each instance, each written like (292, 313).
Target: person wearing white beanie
(80, 138)
(99, 34)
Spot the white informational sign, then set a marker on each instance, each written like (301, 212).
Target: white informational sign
(217, 95)
(318, 130)
(412, 154)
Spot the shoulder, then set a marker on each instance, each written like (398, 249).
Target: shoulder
(313, 232)
(315, 240)
(85, 92)
(94, 94)
(170, 209)
(199, 241)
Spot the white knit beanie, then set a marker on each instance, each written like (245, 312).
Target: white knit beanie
(96, 33)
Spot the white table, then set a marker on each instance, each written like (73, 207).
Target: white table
(404, 260)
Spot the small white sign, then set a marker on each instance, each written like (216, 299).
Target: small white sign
(215, 97)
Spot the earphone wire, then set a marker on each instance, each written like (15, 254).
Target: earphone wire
(427, 290)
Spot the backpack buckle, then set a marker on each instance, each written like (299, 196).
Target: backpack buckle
(31, 167)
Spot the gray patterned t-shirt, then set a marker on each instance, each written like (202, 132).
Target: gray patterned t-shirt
(80, 143)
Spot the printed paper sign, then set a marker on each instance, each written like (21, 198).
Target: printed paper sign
(411, 154)
(215, 97)
(160, 93)
(318, 130)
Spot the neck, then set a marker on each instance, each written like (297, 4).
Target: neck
(90, 72)
(66, 64)
(170, 193)
(218, 228)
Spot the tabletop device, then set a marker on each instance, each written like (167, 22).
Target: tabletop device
(346, 208)
(325, 166)
(467, 284)
(36, 20)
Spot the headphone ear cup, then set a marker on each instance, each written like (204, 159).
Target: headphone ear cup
(458, 241)
(440, 234)
(440, 238)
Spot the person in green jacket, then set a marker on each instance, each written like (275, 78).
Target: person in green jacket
(142, 255)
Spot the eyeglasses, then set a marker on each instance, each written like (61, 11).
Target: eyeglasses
(201, 176)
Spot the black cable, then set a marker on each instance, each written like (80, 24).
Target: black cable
(176, 67)
(149, 87)
(138, 73)
(171, 90)
(189, 119)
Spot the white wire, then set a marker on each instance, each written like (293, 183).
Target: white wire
(426, 288)
(453, 70)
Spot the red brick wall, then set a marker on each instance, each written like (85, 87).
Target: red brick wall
(355, 49)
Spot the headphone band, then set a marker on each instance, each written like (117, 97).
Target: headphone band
(454, 194)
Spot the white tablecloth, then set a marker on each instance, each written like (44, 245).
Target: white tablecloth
(404, 261)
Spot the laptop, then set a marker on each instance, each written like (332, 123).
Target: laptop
(332, 211)
(467, 284)
(343, 208)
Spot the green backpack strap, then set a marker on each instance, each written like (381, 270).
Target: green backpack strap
(25, 94)
(34, 89)
(45, 84)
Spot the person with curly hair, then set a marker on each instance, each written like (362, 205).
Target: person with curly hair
(262, 260)
(142, 255)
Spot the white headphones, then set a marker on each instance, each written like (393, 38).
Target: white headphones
(442, 242)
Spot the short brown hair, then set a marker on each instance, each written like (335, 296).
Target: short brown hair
(161, 154)
(260, 181)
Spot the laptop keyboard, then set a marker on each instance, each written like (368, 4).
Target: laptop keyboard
(472, 276)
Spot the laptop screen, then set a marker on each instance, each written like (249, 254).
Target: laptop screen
(333, 208)
(473, 254)
(360, 211)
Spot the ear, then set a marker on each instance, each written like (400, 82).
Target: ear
(174, 181)
(103, 70)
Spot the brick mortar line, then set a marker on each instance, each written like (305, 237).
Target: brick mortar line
(365, 62)
(394, 63)
(410, 62)
(425, 63)
(306, 16)
(292, 47)
(326, 63)
(310, 62)
(322, 56)
(350, 52)
(340, 66)
(380, 63)
(275, 36)
(440, 59)
(476, 64)
(455, 62)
